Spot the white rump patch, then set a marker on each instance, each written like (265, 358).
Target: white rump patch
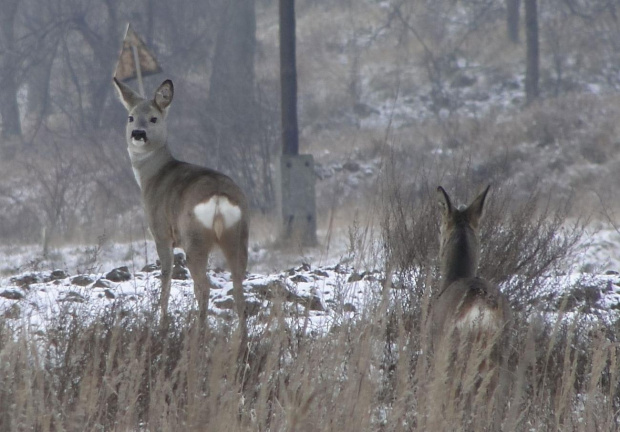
(479, 317)
(218, 205)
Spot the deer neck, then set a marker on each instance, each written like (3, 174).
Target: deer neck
(459, 256)
(146, 165)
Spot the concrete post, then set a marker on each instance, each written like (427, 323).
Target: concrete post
(295, 198)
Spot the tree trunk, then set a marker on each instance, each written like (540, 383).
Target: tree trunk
(97, 87)
(532, 53)
(231, 89)
(288, 78)
(512, 20)
(38, 82)
(11, 125)
(9, 84)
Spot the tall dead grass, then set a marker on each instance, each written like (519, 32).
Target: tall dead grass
(555, 359)
(370, 373)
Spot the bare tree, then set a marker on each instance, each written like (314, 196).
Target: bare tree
(238, 125)
(98, 30)
(231, 89)
(512, 19)
(9, 68)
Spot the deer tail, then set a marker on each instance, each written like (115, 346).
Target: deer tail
(218, 225)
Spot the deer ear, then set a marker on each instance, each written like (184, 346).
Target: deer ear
(163, 95)
(444, 200)
(127, 96)
(476, 208)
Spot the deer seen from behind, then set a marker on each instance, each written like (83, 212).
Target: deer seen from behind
(469, 316)
(186, 205)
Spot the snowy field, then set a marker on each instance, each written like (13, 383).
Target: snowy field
(87, 280)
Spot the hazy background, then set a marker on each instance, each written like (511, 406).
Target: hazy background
(395, 97)
(436, 85)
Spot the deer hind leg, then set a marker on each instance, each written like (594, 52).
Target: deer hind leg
(197, 255)
(234, 245)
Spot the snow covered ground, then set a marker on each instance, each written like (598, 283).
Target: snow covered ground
(86, 280)
(319, 296)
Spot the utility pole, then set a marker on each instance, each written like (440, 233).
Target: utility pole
(288, 78)
(295, 179)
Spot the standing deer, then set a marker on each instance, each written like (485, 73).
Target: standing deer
(470, 316)
(186, 205)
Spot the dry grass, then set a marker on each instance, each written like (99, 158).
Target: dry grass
(554, 361)
(121, 374)
(369, 373)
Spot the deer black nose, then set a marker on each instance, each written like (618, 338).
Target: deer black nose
(138, 134)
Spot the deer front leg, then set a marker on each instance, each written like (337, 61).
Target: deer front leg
(165, 252)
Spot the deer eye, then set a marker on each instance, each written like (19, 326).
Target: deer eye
(153, 119)
(130, 119)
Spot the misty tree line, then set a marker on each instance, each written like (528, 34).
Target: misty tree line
(556, 12)
(62, 125)
(60, 54)
(556, 35)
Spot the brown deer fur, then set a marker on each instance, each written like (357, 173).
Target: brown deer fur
(186, 205)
